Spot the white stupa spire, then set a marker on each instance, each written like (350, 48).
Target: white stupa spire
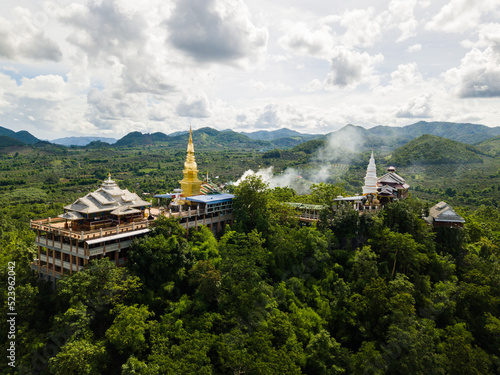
(371, 180)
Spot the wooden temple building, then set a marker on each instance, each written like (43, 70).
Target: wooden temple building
(101, 224)
(442, 215)
(106, 221)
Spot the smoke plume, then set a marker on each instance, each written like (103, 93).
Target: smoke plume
(328, 164)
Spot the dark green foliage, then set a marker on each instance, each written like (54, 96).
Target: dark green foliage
(272, 154)
(162, 260)
(6, 141)
(310, 147)
(376, 294)
(490, 146)
(251, 205)
(23, 136)
(430, 149)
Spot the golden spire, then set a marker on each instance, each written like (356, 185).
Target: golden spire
(190, 184)
(190, 144)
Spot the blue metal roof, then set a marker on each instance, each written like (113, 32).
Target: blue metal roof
(163, 196)
(211, 199)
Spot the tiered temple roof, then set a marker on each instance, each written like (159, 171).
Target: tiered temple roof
(394, 180)
(443, 213)
(108, 198)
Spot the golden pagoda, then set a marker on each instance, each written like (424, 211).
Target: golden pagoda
(190, 184)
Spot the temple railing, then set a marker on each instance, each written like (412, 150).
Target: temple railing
(58, 226)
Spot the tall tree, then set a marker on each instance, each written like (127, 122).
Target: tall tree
(251, 205)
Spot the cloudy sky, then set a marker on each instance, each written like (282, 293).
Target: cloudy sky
(70, 68)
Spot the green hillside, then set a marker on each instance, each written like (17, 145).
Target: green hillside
(310, 146)
(490, 146)
(266, 135)
(6, 141)
(430, 149)
(23, 135)
(138, 139)
(205, 138)
(461, 132)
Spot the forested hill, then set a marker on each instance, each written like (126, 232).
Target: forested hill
(22, 135)
(6, 141)
(431, 149)
(462, 132)
(389, 137)
(381, 294)
(81, 141)
(266, 135)
(204, 138)
(397, 136)
(383, 137)
(490, 146)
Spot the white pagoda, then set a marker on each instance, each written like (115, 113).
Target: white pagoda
(371, 181)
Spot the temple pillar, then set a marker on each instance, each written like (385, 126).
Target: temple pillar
(54, 263)
(39, 260)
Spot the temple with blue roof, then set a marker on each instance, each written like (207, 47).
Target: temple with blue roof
(103, 223)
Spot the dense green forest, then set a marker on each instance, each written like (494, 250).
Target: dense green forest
(379, 294)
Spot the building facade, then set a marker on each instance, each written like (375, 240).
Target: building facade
(104, 223)
(101, 224)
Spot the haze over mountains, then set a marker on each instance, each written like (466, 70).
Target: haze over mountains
(81, 141)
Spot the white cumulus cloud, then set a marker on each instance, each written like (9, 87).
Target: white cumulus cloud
(350, 68)
(461, 15)
(216, 30)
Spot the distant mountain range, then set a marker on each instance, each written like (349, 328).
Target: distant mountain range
(389, 137)
(81, 141)
(204, 138)
(266, 135)
(384, 137)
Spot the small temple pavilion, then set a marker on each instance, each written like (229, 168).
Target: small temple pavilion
(442, 215)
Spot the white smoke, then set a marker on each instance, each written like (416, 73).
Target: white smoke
(341, 146)
(290, 177)
(328, 165)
